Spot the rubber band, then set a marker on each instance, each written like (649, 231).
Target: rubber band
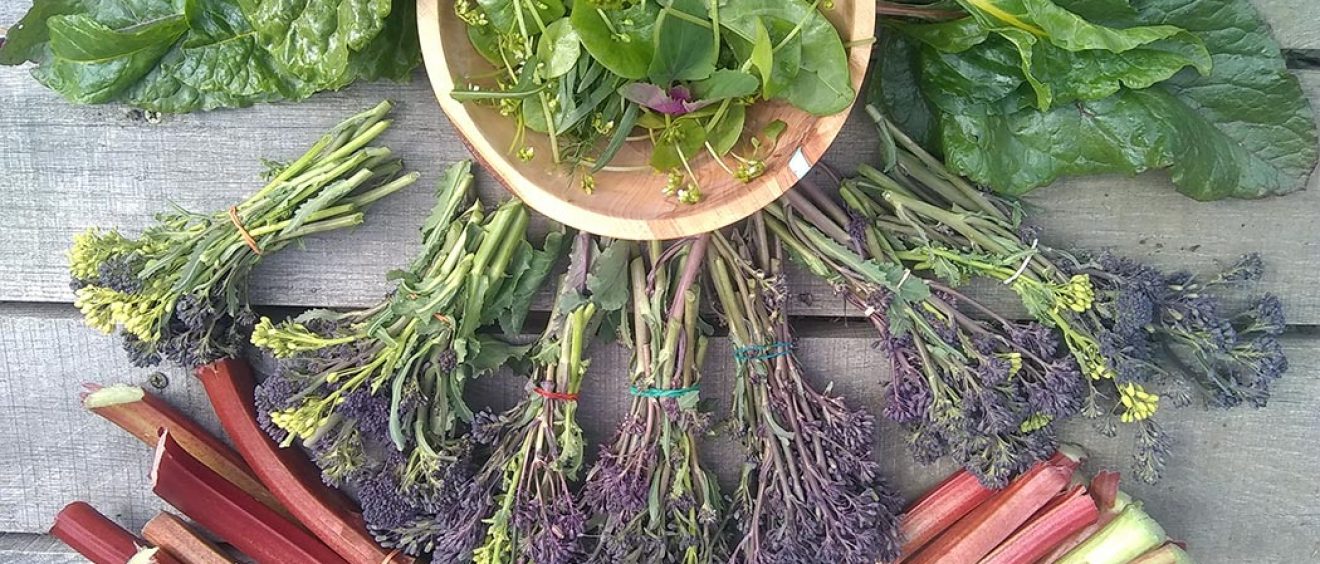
(242, 231)
(547, 394)
(763, 352)
(1025, 261)
(660, 393)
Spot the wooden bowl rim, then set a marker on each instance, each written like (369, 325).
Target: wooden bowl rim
(689, 219)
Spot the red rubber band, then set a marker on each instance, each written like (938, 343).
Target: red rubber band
(547, 394)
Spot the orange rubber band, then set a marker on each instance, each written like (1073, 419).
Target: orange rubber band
(547, 394)
(242, 231)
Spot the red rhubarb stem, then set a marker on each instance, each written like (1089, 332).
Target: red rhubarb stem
(1053, 524)
(171, 533)
(144, 414)
(940, 508)
(97, 538)
(980, 531)
(288, 473)
(226, 510)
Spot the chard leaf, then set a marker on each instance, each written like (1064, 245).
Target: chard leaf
(683, 49)
(821, 85)
(312, 39)
(628, 52)
(1244, 131)
(895, 90)
(92, 62)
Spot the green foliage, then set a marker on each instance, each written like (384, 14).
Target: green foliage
(1025, 92)
(184, 55)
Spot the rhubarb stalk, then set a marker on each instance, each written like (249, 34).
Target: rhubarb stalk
(1056, 522)
(940, 508)
(223, 508)
(167, 531)
(1167, 553)
(1110, 502)
(143, 415)
(980, 531)
(1128, 536)
(293, 479)
(97, 538)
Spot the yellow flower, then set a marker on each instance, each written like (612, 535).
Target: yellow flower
(1077, 295)
(1036, 422)
(1138, 404)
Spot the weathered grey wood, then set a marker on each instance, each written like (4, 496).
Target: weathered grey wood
(1294, 22)
(31, 548)
(1239, 487)
(68, 168)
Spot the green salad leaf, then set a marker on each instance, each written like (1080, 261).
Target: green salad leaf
(619, 39)
(186, 55)
(1234, 125)
(684, 50)
(810, 65)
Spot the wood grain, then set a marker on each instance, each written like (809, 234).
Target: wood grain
(31, 548)
(1239, 487)
(70, 167)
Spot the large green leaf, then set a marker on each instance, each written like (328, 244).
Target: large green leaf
(186, 55)
(1065, 57)
(1244, 131)
(684, 50)
(619, 39)
(822, 84)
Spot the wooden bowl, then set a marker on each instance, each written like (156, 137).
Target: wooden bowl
(630, 205)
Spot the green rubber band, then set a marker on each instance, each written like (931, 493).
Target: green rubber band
(659, 393)
(763, 352)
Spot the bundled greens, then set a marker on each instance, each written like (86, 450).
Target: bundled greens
(1018, 93)
(180, 56)
(648, 499)
(179, 290)
(377, 394)
(588, 74)
(1113, 336)
(520, 505)
(810, 490)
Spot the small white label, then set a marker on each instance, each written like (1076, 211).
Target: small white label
(799, 164)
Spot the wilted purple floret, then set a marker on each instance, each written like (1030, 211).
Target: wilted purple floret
(273, 395)
(1034, 338)
(120, 273)
(1267, 316)
(550, 530)
(611, 490)
(369, 412)
(384, 505)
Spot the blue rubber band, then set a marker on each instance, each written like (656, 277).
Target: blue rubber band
(763, 352)
(658, 393)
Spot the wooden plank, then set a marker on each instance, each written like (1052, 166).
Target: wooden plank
(72, 167)
(36, 549)
(1238, 488)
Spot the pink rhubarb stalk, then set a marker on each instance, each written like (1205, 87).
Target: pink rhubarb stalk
(980, 531)
(1108, 499)
(99, 539)
(940, 508)
(288, 473)
(1056, 522)
(226, 510)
